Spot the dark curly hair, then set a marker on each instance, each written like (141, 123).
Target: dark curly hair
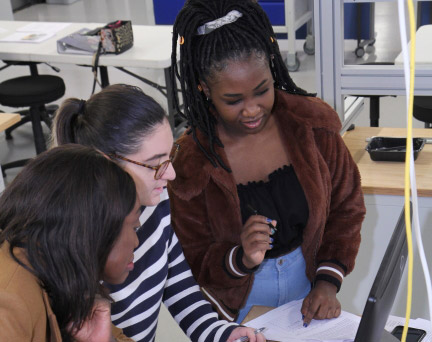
(65, 209)
(202, 55)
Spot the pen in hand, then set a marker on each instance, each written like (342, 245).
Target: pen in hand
(269, 221)
(245, 338)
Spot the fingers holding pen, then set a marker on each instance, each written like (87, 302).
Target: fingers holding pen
(271, 223)
(256, 239)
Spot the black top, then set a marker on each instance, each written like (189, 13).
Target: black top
(281, 198)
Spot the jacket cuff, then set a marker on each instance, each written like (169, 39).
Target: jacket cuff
(331, 271)
(234, 263)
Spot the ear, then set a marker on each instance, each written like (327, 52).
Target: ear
(205, 88)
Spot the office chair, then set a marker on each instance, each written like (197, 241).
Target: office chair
(34, 91)
(422, 109)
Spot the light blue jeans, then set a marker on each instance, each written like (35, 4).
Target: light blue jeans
(278, 281)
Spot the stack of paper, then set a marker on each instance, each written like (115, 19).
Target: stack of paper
(285, 324)
(34, 32)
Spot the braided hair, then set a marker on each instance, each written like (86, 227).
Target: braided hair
(203, 55)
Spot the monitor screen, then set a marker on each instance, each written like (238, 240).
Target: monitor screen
(384, 288)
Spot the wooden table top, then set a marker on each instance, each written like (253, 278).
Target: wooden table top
(7, 120)
(387, 178)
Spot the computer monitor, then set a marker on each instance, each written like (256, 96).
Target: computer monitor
(384, 289)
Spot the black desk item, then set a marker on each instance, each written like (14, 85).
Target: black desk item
(422, 109)
(34, 92)
(392, 149)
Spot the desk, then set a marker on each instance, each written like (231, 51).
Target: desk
(387, 178)
(383, 184)
(7, 120)
(152, 49)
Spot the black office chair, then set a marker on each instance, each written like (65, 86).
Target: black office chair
(422, 109)
(34, 91)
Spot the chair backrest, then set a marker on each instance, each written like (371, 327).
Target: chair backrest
(422, 109)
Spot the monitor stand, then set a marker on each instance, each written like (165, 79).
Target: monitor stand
(387, 337)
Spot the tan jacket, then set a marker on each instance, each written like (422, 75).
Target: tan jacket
(25, 311)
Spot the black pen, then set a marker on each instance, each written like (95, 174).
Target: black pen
(269, 221)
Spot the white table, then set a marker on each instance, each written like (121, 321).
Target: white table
(423, 55)
(151, 49)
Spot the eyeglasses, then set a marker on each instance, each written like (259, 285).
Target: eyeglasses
(160, 169)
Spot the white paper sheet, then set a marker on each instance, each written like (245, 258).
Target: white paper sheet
(38, 26)
(285, 324)
(27, 37)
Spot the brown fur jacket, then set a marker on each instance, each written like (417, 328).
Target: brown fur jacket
(205, 206)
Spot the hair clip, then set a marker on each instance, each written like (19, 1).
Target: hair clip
(272, 39)
(181, 40)
(229, 18)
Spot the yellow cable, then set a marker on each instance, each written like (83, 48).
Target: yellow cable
(407, 169)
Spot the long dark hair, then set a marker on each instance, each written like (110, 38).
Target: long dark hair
(66, 209)
(115, 120)
(201, 55)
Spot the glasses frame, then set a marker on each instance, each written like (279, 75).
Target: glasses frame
(155, 168)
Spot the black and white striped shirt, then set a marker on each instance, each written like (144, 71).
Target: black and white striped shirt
(161, 273)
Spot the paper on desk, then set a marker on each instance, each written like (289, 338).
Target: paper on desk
(49, 27)
(285, 324)
(27, 37)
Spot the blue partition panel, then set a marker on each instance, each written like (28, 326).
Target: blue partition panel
(354, 15)
(165, 11)
(425, 12)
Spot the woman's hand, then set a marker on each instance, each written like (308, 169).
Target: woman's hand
(321, 302)
(97, 327)
(256, 240)
(244, 331)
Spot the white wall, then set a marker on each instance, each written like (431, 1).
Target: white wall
(6, 10)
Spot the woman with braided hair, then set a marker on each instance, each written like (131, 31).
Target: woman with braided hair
(267, 202)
